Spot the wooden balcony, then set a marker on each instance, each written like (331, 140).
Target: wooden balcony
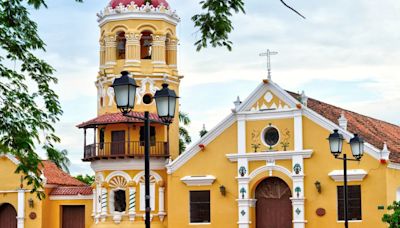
(121, 150)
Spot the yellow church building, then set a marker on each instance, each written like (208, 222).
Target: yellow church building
(266, 165)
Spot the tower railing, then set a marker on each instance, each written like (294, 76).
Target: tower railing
(109, 150)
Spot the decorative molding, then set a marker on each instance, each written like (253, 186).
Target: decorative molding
(75, 197)
(270, 168)
(118, 173)
(268, 114)
(152, 173)
(11, 158)
(352, 175)
(266, 156)
(127, 164)
(133, 11)
(393, 165)
(198, 180)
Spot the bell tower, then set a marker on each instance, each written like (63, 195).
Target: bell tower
(137, 36)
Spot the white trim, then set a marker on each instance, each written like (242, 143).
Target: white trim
(21, 209)
(198, 180)
(205, 140)
(10, 157)
(11, 191)
(269, 168)
(352, 175)
(75, 197)
(127, 164)
(276, 155)
(118, 173)
(393, 165)
(138, 16)
(269, 114)
(152, 173)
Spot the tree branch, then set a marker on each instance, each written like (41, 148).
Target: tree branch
(284, 3)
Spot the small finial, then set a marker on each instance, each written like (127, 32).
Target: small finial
(237, 103)
(343, 121)
(303, 98)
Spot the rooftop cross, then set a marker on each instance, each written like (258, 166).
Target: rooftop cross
(268, 54)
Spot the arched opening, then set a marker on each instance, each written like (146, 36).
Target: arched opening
(120, 201)
(146, 43)
(121, 45)
(8, 216)
(273, 207)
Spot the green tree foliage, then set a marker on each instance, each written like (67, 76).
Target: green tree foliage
(60, 158)
(215, 24)
(88, 179)
(26, 113)
(393, 219)
(184, 138)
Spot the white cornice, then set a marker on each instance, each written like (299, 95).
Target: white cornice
(276, 155)
(352, 175)
(394, 165)
(198, 180)
(11, 158)
(269, 114)
(127, 164)
(76, 197)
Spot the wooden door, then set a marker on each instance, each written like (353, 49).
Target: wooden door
(73, 216)
(117, 142)
(274, 207)
(8, 216)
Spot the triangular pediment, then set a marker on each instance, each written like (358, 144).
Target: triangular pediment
(269, 96)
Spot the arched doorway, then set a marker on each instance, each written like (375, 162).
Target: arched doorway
(8, 216)
(274, 207)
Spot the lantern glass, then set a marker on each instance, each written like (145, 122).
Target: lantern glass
(166, 103)
(125, 92)
(336, 143)
(357, 146)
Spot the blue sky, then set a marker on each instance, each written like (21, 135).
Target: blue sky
(346, 53)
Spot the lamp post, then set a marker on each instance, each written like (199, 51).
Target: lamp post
(125, 93)
(357, 149)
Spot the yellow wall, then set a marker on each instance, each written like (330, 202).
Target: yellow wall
(55, 207)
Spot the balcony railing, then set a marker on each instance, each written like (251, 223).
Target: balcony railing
(110, 150)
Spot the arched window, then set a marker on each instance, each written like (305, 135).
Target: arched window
(146, 43)
(121, 45)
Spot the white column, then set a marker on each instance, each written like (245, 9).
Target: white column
(132, 204)
(298, 131)
(103, 204)
(243, 179)
(161, 207)
(21, 208)
(298, 198)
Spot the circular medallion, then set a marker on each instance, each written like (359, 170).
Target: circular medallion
(32, 215)
(320, 212)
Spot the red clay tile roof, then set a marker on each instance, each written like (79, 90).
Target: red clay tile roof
(56, 176)
(375, 132)
(112, 118)
(72, 191)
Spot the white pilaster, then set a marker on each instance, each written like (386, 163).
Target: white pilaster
(21, 208)
(104, 194)
(161, 208)
(241, 135)
(298, 131)
(298, 198)
(132, 204)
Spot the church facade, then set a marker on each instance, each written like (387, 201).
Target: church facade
(268, 164)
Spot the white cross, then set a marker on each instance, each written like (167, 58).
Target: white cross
(268, 54)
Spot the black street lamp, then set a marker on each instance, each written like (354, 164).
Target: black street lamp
(125, 93)
(357, 149)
